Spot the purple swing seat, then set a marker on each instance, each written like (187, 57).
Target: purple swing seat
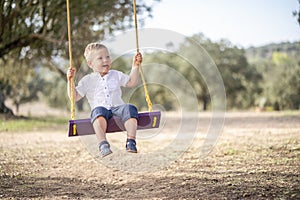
(147, 120)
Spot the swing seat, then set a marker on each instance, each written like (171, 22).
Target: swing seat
(81, 127)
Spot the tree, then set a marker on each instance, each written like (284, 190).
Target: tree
(297, 13)
(241, 80)
(196, 55)
(279, 66)
(285, 89)
(36, 29)
(195, 63)
(23, 85)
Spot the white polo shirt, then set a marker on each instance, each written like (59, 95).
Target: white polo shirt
(103, 91)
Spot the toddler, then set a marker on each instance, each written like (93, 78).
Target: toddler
(102, 88)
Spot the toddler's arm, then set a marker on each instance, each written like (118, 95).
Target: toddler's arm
(134, 74)
(70, 75)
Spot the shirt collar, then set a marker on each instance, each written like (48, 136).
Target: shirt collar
(98, 73)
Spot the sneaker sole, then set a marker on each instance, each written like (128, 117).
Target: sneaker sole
(104, 155)
(131, 151)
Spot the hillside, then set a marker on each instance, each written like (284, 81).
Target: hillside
(265, 52)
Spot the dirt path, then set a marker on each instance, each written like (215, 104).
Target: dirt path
(256, 157)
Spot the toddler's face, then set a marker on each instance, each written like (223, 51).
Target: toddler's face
(100, 61)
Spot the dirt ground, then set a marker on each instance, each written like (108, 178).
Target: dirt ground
(256, 156)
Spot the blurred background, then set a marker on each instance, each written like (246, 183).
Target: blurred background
(254, 44)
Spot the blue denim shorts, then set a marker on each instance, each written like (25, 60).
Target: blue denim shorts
(125, 112)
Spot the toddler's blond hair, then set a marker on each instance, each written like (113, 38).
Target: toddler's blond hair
(91, 47)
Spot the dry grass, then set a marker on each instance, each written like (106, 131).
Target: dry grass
(257, 156)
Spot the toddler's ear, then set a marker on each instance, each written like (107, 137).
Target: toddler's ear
(89, 63)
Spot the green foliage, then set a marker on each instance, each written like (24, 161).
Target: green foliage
(19, 82)
(33, 33)
(31, 124)
(241, 80)
(34, 36)
(287, 86)
(41, 25)
(55, 94)
(171, 73)
(265, 53)
(158, 94)
(279, 65)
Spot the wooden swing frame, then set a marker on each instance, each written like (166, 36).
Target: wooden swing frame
(81, 127)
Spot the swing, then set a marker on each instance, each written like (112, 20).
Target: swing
(81, 127)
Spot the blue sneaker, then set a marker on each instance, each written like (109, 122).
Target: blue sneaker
(104, 149)
(131, 146)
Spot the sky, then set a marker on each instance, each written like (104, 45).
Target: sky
(243, 22)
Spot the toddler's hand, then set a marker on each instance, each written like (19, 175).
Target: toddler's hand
(137, 59)
(71, 73)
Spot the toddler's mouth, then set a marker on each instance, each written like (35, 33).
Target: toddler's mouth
(105, 66)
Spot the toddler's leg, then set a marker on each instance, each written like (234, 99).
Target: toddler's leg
(129, 116)
(131, 126)
(100, 125)
(99, 118)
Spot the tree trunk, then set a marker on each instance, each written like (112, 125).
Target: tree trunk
(205, 102)
(3, 108)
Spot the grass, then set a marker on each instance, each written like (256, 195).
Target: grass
(31, 124)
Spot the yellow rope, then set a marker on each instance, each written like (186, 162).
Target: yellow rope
(71, 64)
(148, 100)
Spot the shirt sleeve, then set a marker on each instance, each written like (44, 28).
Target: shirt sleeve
(81, 87)
(123, 78)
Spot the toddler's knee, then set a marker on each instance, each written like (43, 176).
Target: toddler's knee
(131, 108)
(100, 112)
(131, 112)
